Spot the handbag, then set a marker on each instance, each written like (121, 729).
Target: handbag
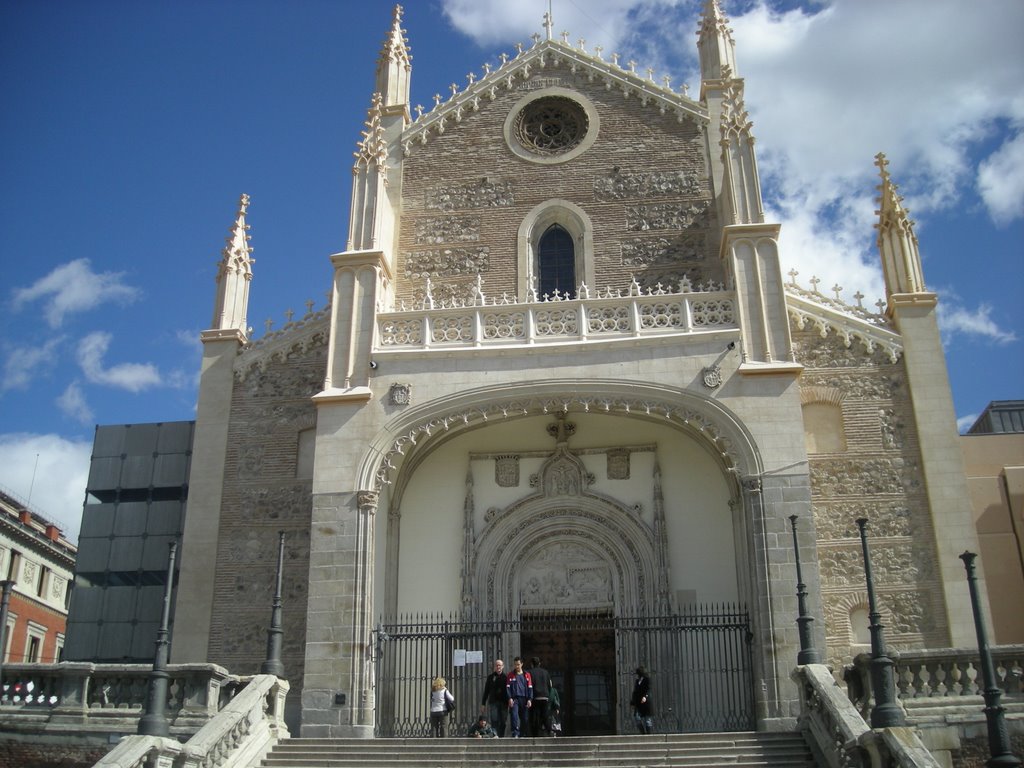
(449, 703)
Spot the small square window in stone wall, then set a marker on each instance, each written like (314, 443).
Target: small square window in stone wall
(506, 471)
(618, 464)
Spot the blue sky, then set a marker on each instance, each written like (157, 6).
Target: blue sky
(129, 129)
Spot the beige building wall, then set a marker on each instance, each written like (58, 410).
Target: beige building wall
(995, 480)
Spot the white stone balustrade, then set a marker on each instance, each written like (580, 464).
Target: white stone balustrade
(558, 321)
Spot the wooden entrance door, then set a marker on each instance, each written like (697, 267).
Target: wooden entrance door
(582, 666)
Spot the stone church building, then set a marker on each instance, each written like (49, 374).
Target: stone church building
(563, 385)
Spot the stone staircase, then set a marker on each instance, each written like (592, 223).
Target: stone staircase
(763, 750)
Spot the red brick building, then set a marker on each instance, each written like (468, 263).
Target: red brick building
(39, 562)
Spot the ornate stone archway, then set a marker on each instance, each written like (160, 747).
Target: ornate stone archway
(565, 546)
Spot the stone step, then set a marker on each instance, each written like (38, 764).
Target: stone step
(743, 750)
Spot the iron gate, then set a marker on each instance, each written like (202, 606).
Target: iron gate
(699, 661)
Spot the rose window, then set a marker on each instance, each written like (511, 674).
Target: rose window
(551, 126)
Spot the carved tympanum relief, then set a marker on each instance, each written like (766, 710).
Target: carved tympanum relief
(565, 573)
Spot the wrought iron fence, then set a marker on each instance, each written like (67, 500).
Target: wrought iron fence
(699, 661)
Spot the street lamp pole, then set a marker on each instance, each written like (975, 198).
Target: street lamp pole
(998, 737)
(808, 653)
(154, 719)
(886, 713)
(273, 665)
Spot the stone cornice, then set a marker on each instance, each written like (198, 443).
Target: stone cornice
(870, 330)
(300, 335)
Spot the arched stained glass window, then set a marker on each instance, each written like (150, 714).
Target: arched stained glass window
(556, 263)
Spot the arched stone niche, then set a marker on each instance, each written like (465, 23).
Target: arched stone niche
(607, 558)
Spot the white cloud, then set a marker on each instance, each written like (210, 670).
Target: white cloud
(955, 318)
(74, 287)
(22, 364)
(72, 402)
(601, 22)
(50, 472)
(1001, 181)
(134, 377)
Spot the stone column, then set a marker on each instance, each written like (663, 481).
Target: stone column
(362, 628)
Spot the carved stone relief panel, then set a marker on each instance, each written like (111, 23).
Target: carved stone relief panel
(619, 186)
(640, 218)
(506, 471)
(400, 394)
(618, 464)
(839, 477)
(659, 251)
(250, 461)
(893, 428)
(891, 564)
(484, 192)
(565, 573)
(447, 262)
(813, 351)
(447, 229)
(835, 520)
(859, 385)
(259, 505)
(271, 418)
(283, 380)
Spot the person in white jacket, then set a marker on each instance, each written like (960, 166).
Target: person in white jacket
(441, 703)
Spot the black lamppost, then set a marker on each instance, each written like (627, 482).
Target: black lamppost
(808, 653)
(998, 738)
(154, 719)
(886, 712)
(273, 665)
(5, 601)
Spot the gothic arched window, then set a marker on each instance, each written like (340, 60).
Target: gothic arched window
(556, 263)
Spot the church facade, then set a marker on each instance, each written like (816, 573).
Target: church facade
(562, 373)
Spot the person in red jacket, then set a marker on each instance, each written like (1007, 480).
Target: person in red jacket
(519, 688)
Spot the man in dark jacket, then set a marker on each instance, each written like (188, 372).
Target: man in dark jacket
(641, 701)
(495, 699)
(540, 715)
(519, 686)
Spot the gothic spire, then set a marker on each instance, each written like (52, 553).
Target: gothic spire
(897, 243)
(234, 273)
(394, 66)
(715, 43)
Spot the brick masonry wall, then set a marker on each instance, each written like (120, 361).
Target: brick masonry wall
(466, 192)
(263, 496)
(15, 753)
(878, 476)
(28, 610)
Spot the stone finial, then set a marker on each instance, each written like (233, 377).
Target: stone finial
(897, 243)
(715, 43)
(234, 273)
(549, 25)
(394, 64)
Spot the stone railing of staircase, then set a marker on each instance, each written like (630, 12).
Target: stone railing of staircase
(239, 736)
(82, 708)
(838, 735)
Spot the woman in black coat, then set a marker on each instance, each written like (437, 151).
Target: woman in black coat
(641, 701)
